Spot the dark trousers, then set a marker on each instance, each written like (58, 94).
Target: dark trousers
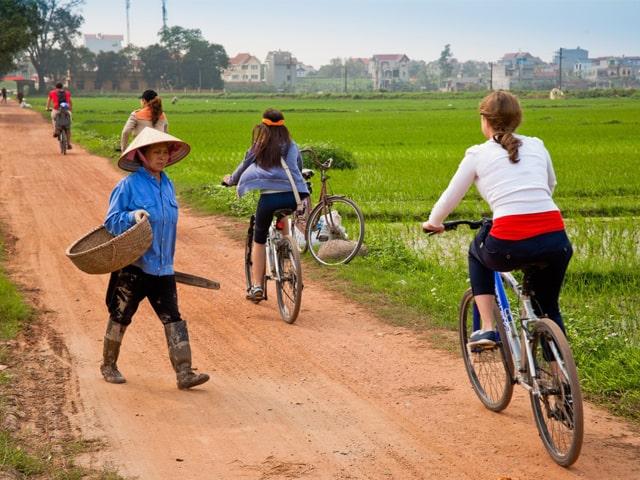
(129, 286)
(543, 258)
(267, 204)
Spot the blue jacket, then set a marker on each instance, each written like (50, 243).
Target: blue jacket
(249, 176)
(140, 190)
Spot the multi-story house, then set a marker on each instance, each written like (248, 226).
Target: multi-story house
(243, 68)
(389, 70)
(280, 70)
(103, 43)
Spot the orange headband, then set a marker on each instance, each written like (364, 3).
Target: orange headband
(271, 123)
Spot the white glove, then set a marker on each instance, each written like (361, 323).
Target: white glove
(139, 215)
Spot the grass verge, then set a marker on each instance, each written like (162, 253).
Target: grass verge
(23, 457)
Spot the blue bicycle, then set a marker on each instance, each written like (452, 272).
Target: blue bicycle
(533, 353)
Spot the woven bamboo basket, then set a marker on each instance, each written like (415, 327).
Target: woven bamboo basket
(100, 252)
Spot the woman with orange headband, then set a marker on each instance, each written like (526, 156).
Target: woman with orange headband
(263, 169)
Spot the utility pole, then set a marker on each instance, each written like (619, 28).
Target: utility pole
(491, 76)
(164, 14)
(128, 7)
(345, 75)
(560, 69)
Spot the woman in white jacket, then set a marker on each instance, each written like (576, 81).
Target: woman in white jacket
(150, 115)
(515, 176)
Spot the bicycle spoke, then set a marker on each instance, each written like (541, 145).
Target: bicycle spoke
(336, 231)
(558, 406)
(486, 367)
(289, 286)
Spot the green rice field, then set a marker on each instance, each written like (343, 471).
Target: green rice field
(406, 149)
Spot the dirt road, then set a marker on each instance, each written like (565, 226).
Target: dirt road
(338, 395)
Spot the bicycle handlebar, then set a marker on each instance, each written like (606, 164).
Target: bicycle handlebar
(452, 225)
(326, 165)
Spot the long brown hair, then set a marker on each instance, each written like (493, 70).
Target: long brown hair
(156, 110)
(269, 141)
(503, 113)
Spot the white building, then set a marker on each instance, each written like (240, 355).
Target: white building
(280, 70)
(243, 68)
(103, 43)
(389, 70)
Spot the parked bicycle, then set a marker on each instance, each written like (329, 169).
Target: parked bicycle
(333, 230)
(533, 353)
(283, 266)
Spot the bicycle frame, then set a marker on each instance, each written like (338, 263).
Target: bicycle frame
(516, 346)
(272, 270)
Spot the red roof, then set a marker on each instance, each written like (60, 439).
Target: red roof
(13, 78)
(240, 58)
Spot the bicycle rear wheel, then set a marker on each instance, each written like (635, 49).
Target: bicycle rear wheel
(62, 139)
(488, 368)
(289, 285)
(558, 409)
(335, 231)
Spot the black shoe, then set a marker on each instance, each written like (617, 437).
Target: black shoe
(69, 147)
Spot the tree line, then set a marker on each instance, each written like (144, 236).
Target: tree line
(45, 31)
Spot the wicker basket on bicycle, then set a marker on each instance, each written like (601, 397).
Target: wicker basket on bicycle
(100, 252)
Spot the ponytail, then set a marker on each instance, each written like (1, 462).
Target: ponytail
(510, 143)
(156, 110)
(503, 113)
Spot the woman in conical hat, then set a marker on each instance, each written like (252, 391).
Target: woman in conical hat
(148, 192)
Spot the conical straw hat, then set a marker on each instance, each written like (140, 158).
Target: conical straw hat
(178, 149)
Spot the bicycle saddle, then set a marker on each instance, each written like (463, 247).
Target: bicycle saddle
(283, 212)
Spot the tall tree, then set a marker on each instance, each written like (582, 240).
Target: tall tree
(112, 66)
(446, 66)
(52, 24)
(14, 31)
(156, 62)
(202, 65)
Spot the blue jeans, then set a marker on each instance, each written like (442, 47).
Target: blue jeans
(543, 258)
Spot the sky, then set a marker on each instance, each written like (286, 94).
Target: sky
(316, 31)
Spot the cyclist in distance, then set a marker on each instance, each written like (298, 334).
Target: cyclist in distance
(262, 170)
(514, 175)
(62, 120)
(57, 96)
(149, 115)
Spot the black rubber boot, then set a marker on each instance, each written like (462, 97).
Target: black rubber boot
(180, 355)
(111, 350)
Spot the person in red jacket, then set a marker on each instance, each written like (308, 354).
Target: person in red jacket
(57, 96)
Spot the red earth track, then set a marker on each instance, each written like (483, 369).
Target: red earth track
(338, 395)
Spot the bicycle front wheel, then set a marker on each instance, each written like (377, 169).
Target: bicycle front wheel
(248, 249)
(289, 285)
(558, 406)
(488, 368)
(62, 138)
(335, 231)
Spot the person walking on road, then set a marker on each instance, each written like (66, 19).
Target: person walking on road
(150, 115)
(148, 192)
(4, 95)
